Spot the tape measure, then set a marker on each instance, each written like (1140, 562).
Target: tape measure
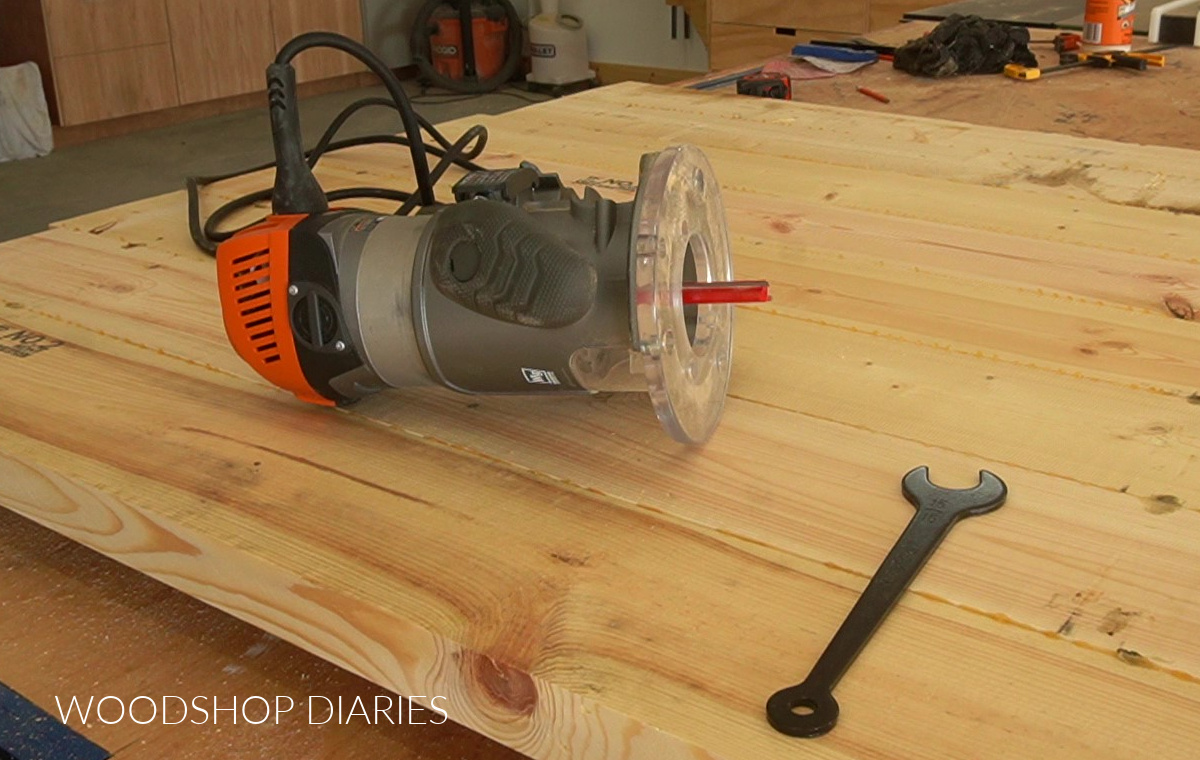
(765, 85)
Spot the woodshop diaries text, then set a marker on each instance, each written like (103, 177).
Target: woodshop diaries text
(171, 710)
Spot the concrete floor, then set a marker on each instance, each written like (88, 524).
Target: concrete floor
(103, 173)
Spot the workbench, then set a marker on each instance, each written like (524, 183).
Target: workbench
(1154, 107)
(578, 585)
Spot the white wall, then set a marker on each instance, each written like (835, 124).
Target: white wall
(638, 33)
(387, 25)
(633, 32)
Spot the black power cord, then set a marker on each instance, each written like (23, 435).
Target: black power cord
(296, 190)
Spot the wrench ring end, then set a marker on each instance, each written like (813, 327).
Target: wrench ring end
(818, 711)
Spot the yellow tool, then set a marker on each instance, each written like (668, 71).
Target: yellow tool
(1025, 73)
(1137, 61)
(1109, 60)
(1152, 59)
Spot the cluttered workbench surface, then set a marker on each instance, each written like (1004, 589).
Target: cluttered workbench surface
(575, 583)
(1159, 106)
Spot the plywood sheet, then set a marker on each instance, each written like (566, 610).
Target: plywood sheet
(581, 587)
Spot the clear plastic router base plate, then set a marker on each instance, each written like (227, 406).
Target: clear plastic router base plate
(679, 235)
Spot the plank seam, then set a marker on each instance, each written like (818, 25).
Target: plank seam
(989, 458)
(623, 503)
(980, 354)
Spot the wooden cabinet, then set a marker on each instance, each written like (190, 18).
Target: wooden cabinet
(76, 27)
(743, 44)
(222, 47)
(104, 59)
(818, 15)
(743, 31)
(746, 30)
(113, 83)
(293, 17)
(886, 13)
(100, 59)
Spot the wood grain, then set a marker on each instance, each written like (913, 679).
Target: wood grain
(582, 587)
(221, 47)
(111, 84)
(131, 636)
(294, 17)
(76, 27)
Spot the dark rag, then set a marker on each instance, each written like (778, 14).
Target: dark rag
(965, 45)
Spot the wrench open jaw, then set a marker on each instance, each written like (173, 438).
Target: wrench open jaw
(808, 709)
(985, 497)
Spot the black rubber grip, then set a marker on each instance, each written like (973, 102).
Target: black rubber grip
(296, 189)
(494, 259)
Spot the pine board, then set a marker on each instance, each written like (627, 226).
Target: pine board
(581, 587)
(130, 636)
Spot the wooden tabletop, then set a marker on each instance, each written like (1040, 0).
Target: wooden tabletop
(1154, 107)
(77, 624)
(578, 585)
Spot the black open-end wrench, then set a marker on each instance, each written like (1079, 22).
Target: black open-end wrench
(808, 708)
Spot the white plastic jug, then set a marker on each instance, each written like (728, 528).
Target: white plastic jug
(558, 46)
